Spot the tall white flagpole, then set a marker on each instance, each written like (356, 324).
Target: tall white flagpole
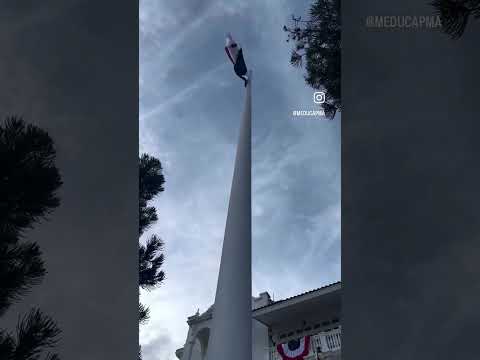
(231, 332)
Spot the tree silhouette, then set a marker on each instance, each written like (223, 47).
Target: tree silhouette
(454, 14)
(35, 333)
(29, 180)
(151, 182)
(151, 258)
(21, 267)
(318, 49)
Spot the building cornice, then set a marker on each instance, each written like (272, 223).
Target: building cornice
(297, 298)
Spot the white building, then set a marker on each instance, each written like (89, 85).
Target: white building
(314, 315)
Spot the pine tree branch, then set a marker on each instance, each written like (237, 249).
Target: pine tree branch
(151, 259)
(29, 178)
(36, 333)
(21, 267)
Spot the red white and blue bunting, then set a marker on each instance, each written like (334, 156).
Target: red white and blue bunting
(295, 349)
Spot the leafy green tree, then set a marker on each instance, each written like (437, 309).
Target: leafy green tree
(29, 180)
(455, 14)
(317, 48)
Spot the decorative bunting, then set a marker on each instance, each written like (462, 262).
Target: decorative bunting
(295, 349)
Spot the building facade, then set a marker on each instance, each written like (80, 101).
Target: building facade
(280, 328)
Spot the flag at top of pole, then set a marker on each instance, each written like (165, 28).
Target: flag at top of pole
(235, 54)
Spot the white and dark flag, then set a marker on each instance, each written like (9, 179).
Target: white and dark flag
(235, 54)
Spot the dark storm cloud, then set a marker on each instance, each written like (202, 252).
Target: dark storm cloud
(410, 189)
(71, 69)
(190, 105)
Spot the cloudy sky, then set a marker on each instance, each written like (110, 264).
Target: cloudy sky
(190, 107)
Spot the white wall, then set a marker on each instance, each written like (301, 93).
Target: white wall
(260, 343)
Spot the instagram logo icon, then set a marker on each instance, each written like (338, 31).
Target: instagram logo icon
(319, 97)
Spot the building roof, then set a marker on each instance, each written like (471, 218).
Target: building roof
(273, 309)
(298, 296)
(324, 302)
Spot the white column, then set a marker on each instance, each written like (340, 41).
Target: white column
(187, 352)
(189, 343)
(231, 336)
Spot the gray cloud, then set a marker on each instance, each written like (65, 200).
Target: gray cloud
(190, 106)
